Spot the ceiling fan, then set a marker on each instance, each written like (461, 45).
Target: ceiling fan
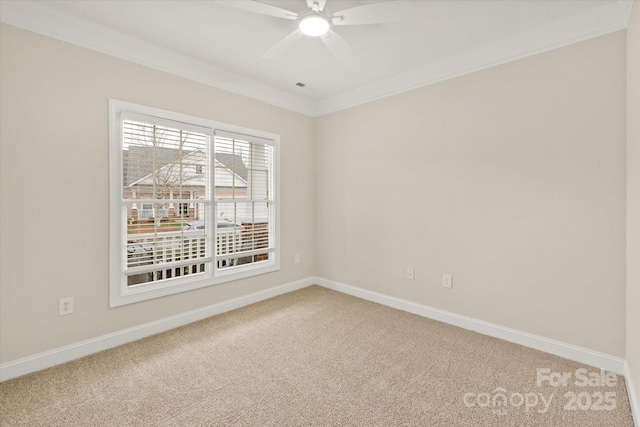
(317, 23)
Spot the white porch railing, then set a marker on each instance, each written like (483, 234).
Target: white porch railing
(163, 255)
(148, 213)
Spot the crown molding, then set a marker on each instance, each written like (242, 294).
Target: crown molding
(36, 16)
(610, 17)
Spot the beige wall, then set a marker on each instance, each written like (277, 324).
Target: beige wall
(633, 201)
(511, 179)
(54, 136)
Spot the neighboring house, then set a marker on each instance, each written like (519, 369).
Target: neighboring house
(178, 178)
(176, 187)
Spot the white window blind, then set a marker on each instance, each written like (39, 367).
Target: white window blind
(165, 185)
(244, 199)
(191, 204)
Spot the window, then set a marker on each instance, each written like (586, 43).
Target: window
(183, 209)
(193, 203)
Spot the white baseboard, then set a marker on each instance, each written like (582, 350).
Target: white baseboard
(67, 353)
(634, 397)
(64, 354)
(568, 351)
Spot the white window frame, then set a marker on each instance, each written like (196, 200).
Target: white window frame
(119, 292)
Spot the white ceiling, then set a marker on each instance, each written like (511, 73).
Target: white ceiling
(426, 41)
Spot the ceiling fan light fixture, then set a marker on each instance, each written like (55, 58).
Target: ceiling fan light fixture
(314, 25)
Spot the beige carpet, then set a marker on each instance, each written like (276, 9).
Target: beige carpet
(314, 357)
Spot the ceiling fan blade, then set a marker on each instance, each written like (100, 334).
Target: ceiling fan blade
(257, 7)
(283, 45)
(339, 47)
(375, 13)
(320, 3)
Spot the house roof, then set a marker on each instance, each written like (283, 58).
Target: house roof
(230, 170)
(234, 163)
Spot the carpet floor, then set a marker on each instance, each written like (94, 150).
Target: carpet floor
(316, 357)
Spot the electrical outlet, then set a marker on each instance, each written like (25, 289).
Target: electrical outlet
(411, 274)
(296, 258)
(447, 281)
(65, 306)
